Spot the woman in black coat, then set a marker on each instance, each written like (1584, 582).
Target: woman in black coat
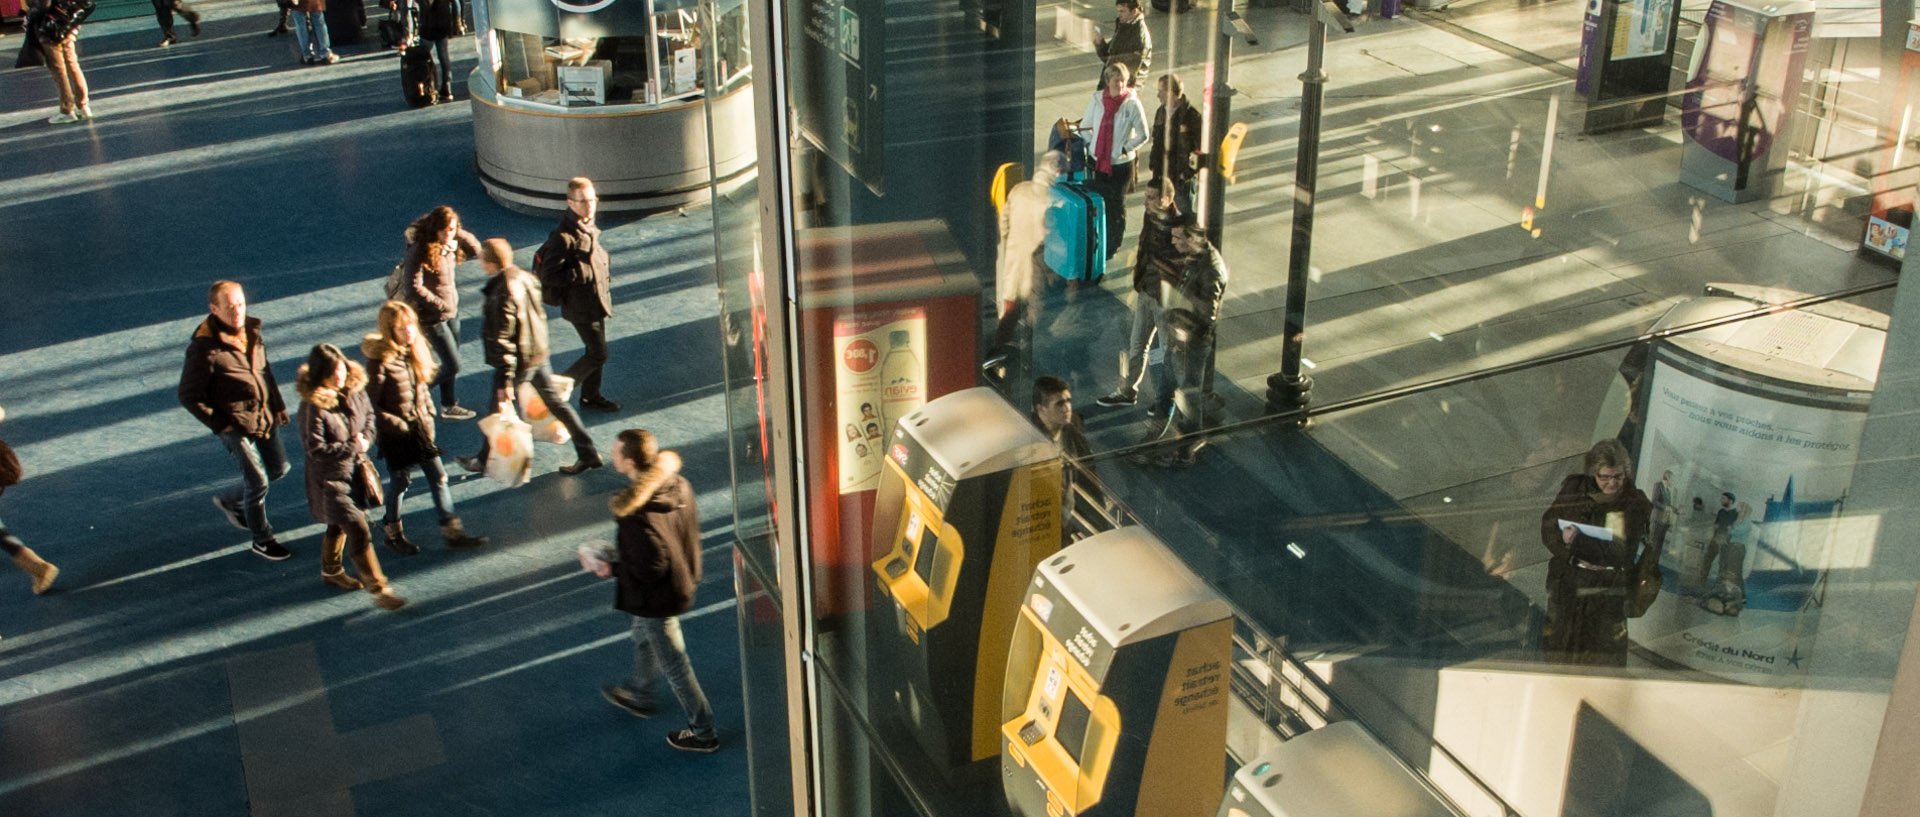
(336, 428)
(400, 373)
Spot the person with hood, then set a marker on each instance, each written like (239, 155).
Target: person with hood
(656, 568)
(435, 244)
(1591, 576)
(1119, 124)
(227, 385)
(513, 329)
(572, 267)
(336, 428)
(38, 570)
(399, 370)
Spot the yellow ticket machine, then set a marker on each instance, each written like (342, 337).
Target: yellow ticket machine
(1115, 701)
(1337, 770)
(968, 503)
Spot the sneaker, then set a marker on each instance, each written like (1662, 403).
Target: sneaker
(471, 465)
(620, 697)
(167, 41)
(330, 59)
(685, 741)
(62, 118)
(456, 413)
(599, 404)
(1117, 399)
(271, 551)
(86, 112)
(231, 511)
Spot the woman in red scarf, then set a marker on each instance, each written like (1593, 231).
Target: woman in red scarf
(1119, 125)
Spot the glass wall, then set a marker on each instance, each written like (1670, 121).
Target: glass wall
(1587, 510)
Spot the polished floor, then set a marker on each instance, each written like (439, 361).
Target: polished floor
(173, 672)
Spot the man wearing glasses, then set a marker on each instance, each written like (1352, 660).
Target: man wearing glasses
(572, 268)
(1596, 529)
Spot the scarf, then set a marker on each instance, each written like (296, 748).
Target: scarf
(1103, 144)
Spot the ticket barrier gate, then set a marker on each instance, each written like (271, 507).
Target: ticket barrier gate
(968, 503)
(1117, 685)
(1334, 771)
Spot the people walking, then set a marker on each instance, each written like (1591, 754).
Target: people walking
(1192, 302)
(1119, 124)
(513, 328)
(572, 267)
(227, 385)
(39, 572)
(399, 371)
(286, 10)
(310, 32)
(434, 21)
(656, 568)
(336, 429)
(1155, 266)
(163, 10)
(435, 243)
(54, 27)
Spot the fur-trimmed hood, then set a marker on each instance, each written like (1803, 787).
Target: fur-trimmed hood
(326, 397)
(232, 337)
(376, 348)
(635, 496)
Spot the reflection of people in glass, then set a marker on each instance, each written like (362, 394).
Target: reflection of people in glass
(1723, 520)
(1663, 513)
(1729, 596)
(1589, 578)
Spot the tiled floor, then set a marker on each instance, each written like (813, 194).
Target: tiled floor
(172, 672)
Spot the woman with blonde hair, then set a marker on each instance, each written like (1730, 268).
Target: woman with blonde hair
(336, 429)
(400, 372)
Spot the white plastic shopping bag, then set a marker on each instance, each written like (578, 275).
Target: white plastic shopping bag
(509, 448)
(546, 427)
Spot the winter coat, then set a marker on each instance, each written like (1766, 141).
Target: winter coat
(1626, 514)
(438, 18)
(658, 540)
(1023, 228)
(1131, 45)
(1157, 260)
(572, 267)
(430, 286)
(401, 397)
(329, 422)
(513, 327)
(226, 381)
(1173, 149)
(1193, 302)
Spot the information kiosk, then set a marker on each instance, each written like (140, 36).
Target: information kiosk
(1334, 771)
(1116, 691)
(968, 504)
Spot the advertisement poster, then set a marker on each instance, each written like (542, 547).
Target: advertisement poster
(880, 376)
(1886, 237)
(1589, 48)
(1641, 30)
(1733, 104)
(1747, 488)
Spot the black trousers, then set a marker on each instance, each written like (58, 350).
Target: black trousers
(163, 10)
(586, 371)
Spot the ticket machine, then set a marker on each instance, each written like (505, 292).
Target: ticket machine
(1115, 701)
(968, 503)
(1334, 771)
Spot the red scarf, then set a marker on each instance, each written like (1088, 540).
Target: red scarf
(1103, 144)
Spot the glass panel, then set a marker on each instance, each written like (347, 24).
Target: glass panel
(763, 678)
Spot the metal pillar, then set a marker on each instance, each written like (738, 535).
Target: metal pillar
(1289, 389)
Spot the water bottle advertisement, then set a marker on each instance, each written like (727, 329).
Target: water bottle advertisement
(880, 376)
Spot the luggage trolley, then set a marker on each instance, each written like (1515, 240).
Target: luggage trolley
(968, 503)
(1115, 701)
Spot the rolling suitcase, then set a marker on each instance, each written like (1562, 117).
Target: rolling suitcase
(1075, 246)
(417, 80)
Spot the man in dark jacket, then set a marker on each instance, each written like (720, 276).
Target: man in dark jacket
(1132, 43)
(1156, 261)
(514, 331)
(227, 386)
(572, 266)
(1177, 140)
(1192, 301)
(657, 571)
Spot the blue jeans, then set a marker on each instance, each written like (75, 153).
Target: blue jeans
(444, 337)
(541, 376)
(314, 44)
(261, 461)
(659, 649)
(1148, 321)
(399, 478)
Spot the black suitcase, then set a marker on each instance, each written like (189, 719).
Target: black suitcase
(417, 80)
